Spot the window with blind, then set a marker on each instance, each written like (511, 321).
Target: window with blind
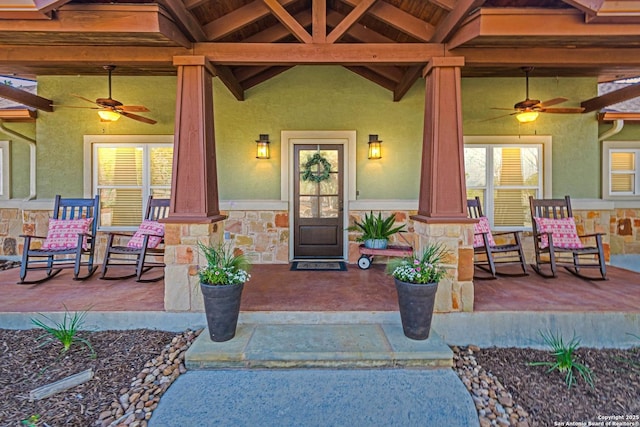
(504, 174)
(621, 172)
(124, 177)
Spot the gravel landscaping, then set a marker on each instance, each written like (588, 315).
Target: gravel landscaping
(133, 368)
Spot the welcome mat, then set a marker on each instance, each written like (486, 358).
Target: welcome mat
(318, 266)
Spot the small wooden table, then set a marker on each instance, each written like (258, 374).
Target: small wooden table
(367, 254)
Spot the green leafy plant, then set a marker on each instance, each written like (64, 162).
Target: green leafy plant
(420, 268)
(224, 266)
(65, 331)
(376, 227)
(32, 421)
(565, 363)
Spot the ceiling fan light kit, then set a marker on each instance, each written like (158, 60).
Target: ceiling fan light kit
(108, 115)
(527, 116)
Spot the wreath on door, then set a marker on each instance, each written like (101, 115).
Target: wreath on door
(308, 172)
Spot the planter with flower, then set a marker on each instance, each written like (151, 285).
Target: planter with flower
(416, 280)
(221, 283)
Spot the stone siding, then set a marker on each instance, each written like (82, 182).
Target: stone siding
(261, 235)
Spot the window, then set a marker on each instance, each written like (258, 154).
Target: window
(621, 172)
(5, 173)
(124, 174)
(504, 172)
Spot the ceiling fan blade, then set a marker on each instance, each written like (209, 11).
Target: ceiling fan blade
(568, 110)
(75, 106)
(138, 118)
(504, 109)
(83, 98)
(498, 117)
(551, 102)
(136, 108)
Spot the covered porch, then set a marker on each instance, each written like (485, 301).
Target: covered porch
(274, 288)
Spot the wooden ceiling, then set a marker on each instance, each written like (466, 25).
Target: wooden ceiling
(385, 41)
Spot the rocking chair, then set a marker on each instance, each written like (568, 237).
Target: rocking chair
(142, 245)
(71, 235)
(556, 241)
(487, 254)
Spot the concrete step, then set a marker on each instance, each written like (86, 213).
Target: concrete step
(376, 345)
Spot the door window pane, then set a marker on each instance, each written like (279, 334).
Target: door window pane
(329, 207)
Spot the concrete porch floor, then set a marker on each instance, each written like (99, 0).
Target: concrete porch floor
(508, 311)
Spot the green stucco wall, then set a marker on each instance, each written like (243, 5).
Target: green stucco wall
(576, 154)
(308, 98)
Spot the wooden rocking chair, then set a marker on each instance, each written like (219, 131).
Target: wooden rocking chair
(486, 253)
(71, 236)
(147, 242)
(557, 243)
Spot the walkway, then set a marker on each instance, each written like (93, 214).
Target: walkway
(411, 384)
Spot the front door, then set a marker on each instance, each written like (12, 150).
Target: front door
(318, 201)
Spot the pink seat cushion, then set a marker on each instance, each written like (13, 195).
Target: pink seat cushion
(154, 229)
(63, 233)
(563, 232)
(482, 226)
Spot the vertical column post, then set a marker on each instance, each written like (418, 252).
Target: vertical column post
(194, 182)
(442, 204)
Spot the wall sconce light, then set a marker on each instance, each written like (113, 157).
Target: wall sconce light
(527, 116)
(262, 147)
(108, 115)
(375, 148)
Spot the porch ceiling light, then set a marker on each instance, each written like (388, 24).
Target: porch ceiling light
(262, 147)
(527, 116)
(108, 115)
(375, 147)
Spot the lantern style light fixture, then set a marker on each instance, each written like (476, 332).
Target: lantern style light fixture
(375, 148)
(527, 116)
(108, 115)
(262, 147)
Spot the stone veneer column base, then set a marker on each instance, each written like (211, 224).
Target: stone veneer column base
(182, 258)
(455, 292)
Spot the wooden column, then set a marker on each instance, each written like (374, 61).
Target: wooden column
(194, 183)
(442, 184)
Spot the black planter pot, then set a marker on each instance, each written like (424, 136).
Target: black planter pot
(416, 303)
(222, 306)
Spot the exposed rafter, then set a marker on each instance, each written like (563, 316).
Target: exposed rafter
(350, 20)
(288, 21)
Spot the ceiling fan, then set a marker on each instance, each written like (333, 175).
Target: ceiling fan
(110, 109)
(528, 110)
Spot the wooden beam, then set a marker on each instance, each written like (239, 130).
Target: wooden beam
(399, 19)
(192, 4)
(391, 73)
(444, 4)
(319, 21)
(185, 20)
(369, 74)
(278, 32)
(454, 18)
(18, 115)
(299, 54)
(245, 73)
(610, 116)
(238, 19)
(567, 58)
(89, 56)
(288, 21)
(262, 77)
(230, 81)
(409, 78)
(602, 101)
(357, 31)
(25, 98)
(350, 20)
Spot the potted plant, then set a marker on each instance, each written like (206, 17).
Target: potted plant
(221, 282)
(416, 280)
(376, 230)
